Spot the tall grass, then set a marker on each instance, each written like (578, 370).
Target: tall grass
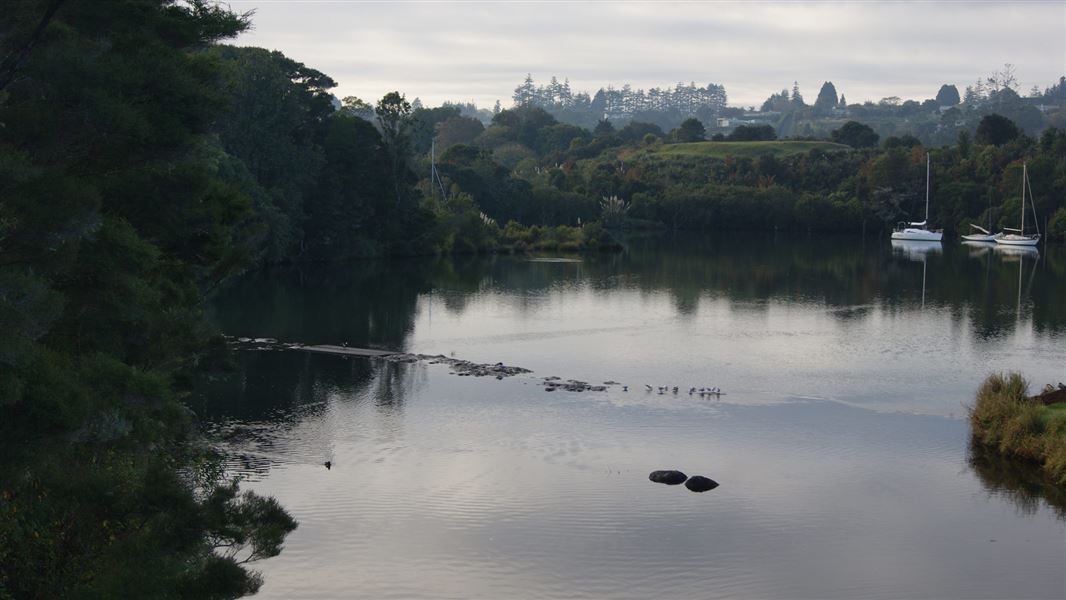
(1004, 417)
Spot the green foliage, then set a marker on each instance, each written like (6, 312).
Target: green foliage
(752, 133)
(458, 130)
(1057, 225)
(272, 124)
(1006, 418)
(748, 149)
(118, 209)
(996, 130)
(855, 134)
(603, 128)
(690, 130)
(948, 95)
(827, 98)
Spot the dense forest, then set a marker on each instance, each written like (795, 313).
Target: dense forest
(143, 163)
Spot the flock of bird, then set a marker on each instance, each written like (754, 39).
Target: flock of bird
(703, 391)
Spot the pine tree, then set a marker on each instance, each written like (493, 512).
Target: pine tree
(797, 98)
(525, 94)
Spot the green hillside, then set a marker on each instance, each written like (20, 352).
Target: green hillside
(747, 149)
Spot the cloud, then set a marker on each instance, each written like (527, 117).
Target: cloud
(481, 51)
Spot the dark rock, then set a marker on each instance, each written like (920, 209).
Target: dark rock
(668, 477)
(699, 483)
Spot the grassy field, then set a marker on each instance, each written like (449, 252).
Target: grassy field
(1006, 418)
(747, 149)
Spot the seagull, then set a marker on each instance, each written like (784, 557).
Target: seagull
(647, 386)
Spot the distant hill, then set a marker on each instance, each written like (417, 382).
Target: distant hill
(748, 149)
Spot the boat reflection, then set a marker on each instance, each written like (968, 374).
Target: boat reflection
(1017, 251)
(979, 249)
(916, 250)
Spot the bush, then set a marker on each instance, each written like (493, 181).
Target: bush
(1004, 417)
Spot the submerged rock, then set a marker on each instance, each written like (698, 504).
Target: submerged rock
(699, 483)
(668, 477)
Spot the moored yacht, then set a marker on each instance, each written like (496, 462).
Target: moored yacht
(919, 232)
(1018, 237)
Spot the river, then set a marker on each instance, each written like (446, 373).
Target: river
(840, 443)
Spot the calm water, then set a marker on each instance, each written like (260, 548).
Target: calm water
(841, 445)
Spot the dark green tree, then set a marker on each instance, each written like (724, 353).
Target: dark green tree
(948, 95)
(457, 130)
(604, 128)
(115, 217)
(796, 99)
(272, 124)
(636, 131)
(855, 134)
(394, 119)
(690, 130)
(752, 133)
(996, 130)
(827, 98)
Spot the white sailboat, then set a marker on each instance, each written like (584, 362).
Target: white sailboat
(1018, 237)
(918, 232)
(982, 235)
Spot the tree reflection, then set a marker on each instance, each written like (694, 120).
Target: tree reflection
(1021, 482)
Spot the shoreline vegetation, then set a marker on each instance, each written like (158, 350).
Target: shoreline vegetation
(146, 163)
(1006, 418)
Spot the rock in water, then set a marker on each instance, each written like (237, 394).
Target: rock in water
(699, 483)
(668, 477)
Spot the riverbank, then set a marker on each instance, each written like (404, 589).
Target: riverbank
(1033, 428)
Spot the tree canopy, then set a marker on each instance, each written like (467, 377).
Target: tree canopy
(996, 130)
(690, 130)
(752, 133)
(948, 95)
(827, 97)
(117, 210)
(855, 134)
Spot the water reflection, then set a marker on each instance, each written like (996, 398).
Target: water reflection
(455, 486)
(484, 489)
(1022, 483)
(252, 411)
(374, 303)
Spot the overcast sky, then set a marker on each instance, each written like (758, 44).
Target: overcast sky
(479, 51)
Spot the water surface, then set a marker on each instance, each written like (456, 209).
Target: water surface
(840, 445)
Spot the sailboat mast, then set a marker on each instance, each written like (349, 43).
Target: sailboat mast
(1032, 203)
(1025, 175)
(927, 189)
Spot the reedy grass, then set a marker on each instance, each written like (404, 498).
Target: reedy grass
(1006, 418)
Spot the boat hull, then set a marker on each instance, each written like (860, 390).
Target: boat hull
(979, 237)
(918, 235)
(1018, 240)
